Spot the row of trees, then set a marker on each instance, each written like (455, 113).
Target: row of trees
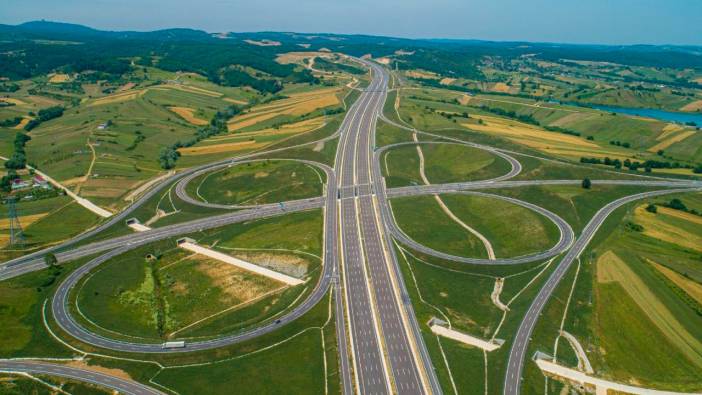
(647, 165)
(45, 114)
(18, 160)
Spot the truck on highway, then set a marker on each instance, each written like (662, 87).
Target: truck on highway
(178, 344)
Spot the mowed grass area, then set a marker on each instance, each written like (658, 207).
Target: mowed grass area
(443, 163)
(261, 182)
(635, 306)
(511, 229)
(185, 295)
(44, 222)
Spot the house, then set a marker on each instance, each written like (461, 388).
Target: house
(103, 126)
(39, 181)
(19, 183)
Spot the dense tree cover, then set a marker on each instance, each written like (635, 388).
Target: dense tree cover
(18, 160)
(45, 114)
(327, 65)
(10, 122)
(235, 77)
(647, 165)
(39, 47)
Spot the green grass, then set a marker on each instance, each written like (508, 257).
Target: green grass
(422, 220)
(128, 296)
(511, 229)
(64, 220)
(295, 362)
(259, 183)
(387, 134)
(446, 163)
(574, 204)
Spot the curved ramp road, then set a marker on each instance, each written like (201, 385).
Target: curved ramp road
(516, 167)
(566, 237)
(121, 385)
(60, 301)
(517, 354)
(183, 183)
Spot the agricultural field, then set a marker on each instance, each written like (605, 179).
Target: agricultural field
(561, 131)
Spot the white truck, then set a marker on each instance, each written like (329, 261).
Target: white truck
(178, 344)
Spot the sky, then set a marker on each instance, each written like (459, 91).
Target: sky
(565, 21)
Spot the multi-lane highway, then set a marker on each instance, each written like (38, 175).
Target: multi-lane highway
(381, 350)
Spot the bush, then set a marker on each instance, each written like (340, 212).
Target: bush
(586, 183)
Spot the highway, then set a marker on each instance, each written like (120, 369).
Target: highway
(123, 386)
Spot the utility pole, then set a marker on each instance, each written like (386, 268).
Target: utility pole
(16, 234)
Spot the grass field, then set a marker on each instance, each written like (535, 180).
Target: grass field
(184, 295)
(443, 163)
(511, 229)
(439, 110)
(258, 183)
(45, 222)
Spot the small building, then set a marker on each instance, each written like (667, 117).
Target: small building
(103, 126)
(19, 183)
(40, 181)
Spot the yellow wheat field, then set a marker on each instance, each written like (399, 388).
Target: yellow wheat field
(117, 98)
(611, 268)
(693, 106)
(672, 140)
(59, 78)
(187, 114)
(690, 287)
(659, 229)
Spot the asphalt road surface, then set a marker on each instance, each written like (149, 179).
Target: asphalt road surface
(124, 386)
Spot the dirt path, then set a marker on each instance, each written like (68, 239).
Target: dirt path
(495, 295)
(85, 178)
(445, 209)
(583, 361)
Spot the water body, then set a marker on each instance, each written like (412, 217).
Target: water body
(668, 116)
